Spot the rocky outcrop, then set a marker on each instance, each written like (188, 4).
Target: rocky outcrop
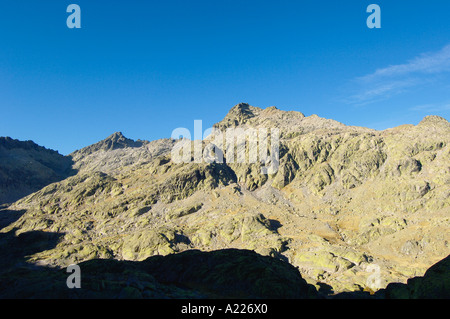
(435, 284)
(116, 152)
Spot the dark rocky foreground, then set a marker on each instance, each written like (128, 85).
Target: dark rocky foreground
(228, 273)
(434, 284)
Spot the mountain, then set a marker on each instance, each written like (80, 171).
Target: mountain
(26, 167)
(116, 152)
(346, 203)
(112, 142)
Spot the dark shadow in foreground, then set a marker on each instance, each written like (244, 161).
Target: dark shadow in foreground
(435, 284)
(228, 273)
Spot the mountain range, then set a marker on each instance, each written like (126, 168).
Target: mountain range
(345, 204)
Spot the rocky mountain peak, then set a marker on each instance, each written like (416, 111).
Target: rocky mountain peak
(8, 143)
(240, 114)
(115, 141)
(118, 140)
(116, 136)
(432, 120)
(246, 115)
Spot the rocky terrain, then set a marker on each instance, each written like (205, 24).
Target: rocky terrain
(27, 167)
(345, 202)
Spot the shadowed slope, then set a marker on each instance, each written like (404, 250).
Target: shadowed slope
(26, 167)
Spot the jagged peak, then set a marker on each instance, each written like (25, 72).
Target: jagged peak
(245, 114)
(116, 137)
(115, 141)
(433, 120)
(9, 143)
(243, 110)
(239, 114)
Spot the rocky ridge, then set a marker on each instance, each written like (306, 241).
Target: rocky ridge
(344, 199)
(26, 167)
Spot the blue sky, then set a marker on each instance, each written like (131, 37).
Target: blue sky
(148, 67)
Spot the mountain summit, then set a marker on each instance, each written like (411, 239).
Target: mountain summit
(434, 120)
(242, 112)
(112, 142)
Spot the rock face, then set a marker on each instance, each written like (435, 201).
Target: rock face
(26, 167)
(117, 152)
(344, 202)
(435, 284)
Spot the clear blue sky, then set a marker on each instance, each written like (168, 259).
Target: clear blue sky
(148, 67)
